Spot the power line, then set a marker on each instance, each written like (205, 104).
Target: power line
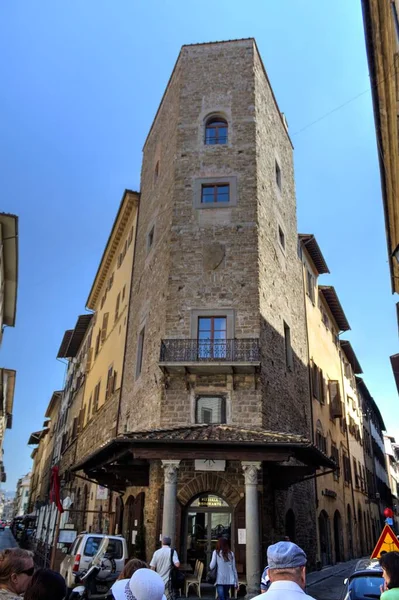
(322, 117)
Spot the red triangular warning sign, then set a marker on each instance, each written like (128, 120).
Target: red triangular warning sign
(388, 542)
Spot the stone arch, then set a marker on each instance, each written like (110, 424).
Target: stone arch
(208, 482)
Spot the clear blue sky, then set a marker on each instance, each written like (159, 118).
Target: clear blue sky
(80, 84)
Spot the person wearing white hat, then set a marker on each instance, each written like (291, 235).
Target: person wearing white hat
(146, 584)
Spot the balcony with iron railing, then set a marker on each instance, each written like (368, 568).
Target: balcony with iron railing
(210, 356)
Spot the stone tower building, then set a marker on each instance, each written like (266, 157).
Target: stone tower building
(215, 427)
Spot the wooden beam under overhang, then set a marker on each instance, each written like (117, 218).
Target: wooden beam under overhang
(181, 453)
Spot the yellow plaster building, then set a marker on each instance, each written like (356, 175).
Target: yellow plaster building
(109, 300)
(333, 388)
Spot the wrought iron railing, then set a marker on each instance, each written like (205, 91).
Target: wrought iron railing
(242, 350)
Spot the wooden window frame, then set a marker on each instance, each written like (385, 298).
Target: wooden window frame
(216, 124)
(215, 187)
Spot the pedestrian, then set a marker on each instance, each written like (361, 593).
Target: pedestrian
(287, 572)
(226, 574)
(147, 585)
(162, 562)
(46, 585)
(131, 567)
(120, 589)
(265, 579)
(16, 571)
(390, 571)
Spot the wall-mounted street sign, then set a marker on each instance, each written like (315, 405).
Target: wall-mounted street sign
(388, 542)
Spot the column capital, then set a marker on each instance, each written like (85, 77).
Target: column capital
(170, 470)
(251, 469)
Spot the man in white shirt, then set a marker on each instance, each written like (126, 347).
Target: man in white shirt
(161, 562)
(287, 572)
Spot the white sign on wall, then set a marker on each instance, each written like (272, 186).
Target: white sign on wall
(102, 493)
(242, 536)
(208, 464)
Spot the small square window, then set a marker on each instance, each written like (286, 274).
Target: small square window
(281, 237)
(219, 193)
(210, 409)
(150, 238)
(278, 175)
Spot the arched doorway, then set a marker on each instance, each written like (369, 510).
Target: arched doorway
(361, 532)
(133, 524)
(350, 532)
(325, 539)
(207, 518)
(290, 525)
(338, 537)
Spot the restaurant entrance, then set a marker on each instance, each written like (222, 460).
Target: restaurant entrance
(208, 518)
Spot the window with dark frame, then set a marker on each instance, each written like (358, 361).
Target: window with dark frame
(96, 397)
(218, 193)
(310, 285)
(108, 389)
(288, 348)
(118, 302)
(281, 237)
(335, 457)
(212, 336)
(210, 409)
(140, 352)
(278, 174)
(216, 130)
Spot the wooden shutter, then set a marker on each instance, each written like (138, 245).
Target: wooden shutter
(89, 359)
(110, 378)
(104, 327)
(322, 387)
(335, 399)
(75, 428)
(316, 381)
(118, 301)
(114, 382)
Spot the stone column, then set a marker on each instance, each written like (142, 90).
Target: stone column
(169, 498)
(252, 525)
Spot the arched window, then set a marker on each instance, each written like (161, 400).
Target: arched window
(210, 409)
(216, 130)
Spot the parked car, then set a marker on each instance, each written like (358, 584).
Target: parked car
(365, 581)
(85, 548)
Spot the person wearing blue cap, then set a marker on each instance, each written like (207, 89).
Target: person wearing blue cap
(287, 572)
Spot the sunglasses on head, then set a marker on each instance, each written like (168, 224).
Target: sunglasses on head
(28, 572)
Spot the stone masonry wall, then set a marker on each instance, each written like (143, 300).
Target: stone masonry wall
(141, 396)
(100, 429)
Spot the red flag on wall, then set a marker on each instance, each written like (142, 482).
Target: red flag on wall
(55, 489)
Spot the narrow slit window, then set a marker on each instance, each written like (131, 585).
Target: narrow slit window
(150, 238)
(140, 352)
(288, 348)
(281, 237)
(278, 175)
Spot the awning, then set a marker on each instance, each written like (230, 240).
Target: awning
(65, 343)
(330, 296)
(311, 246)
(36, 436)
(73, 337)
(9, 240)
(121, 461)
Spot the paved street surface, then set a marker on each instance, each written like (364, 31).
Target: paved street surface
(7, 540)
(327, 584)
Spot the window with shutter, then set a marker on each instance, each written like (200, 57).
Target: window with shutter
(315, 381)
(96, 397)
(322, 394)
(335, 399)
(109, 389)
(89, 408)
(123, 292)
(89, 359)
(110, 282)
(75, 428)
(310, 285)
(98, 341)
(104, 327)
(118, 301)
(357, 480)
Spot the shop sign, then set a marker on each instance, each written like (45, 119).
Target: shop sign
(211, 502)
(209, 464)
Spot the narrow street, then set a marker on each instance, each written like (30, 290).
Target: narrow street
(7, 540)
(328, 584)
